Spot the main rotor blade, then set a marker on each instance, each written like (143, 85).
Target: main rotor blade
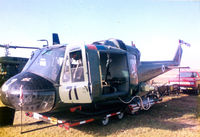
(8, 46)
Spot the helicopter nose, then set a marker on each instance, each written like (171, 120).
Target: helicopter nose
(29, 92)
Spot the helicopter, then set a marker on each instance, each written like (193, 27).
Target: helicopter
(90, 78)
(10, 66)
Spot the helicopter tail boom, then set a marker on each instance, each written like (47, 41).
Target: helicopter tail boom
(151, 69)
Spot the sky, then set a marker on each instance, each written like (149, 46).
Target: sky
(155, 26)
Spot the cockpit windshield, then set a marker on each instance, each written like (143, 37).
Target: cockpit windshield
(48, 64)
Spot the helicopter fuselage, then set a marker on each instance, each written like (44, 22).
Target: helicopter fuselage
(65, 76)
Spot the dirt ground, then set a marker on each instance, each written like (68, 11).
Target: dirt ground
(174, 116)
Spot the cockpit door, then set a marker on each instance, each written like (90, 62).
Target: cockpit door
(74, 77)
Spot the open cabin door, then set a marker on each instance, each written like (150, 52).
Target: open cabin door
(74, 77)
(114, 73)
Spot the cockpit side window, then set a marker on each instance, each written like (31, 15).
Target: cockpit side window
(66, 76)
(76, 63)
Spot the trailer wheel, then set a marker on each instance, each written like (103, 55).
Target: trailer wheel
(120, 116)
(105, 121)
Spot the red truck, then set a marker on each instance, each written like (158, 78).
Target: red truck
(189, 81)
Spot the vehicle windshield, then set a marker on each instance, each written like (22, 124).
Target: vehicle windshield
(48, 64)
(188, 74)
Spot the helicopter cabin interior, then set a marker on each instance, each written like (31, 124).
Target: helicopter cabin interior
(114, 72)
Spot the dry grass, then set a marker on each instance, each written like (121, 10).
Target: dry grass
(175, 116)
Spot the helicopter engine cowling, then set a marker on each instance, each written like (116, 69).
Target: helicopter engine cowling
(29, 92)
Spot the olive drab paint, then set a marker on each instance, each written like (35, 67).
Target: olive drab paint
(94, 76)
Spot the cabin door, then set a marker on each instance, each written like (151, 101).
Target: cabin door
(74, 82)
(114, 70)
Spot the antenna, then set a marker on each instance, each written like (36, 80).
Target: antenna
(132, 44)
(46, 41)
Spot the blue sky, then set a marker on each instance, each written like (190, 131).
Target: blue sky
(155, 26)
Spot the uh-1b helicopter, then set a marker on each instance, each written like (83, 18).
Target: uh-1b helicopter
(10, 66)
(100, 76)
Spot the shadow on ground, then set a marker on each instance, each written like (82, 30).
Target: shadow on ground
(6, 116)
(166, 115)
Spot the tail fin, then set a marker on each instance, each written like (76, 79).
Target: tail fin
(55, 39)
(178, 55)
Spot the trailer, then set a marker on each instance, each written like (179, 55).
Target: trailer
(64, 119)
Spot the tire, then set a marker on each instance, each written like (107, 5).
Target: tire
(120, 116)
(105, 121)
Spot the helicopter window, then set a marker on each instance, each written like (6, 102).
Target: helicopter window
(76, 64)
(132, 65)
(34, 55)
(66, 76)
(48, 64)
